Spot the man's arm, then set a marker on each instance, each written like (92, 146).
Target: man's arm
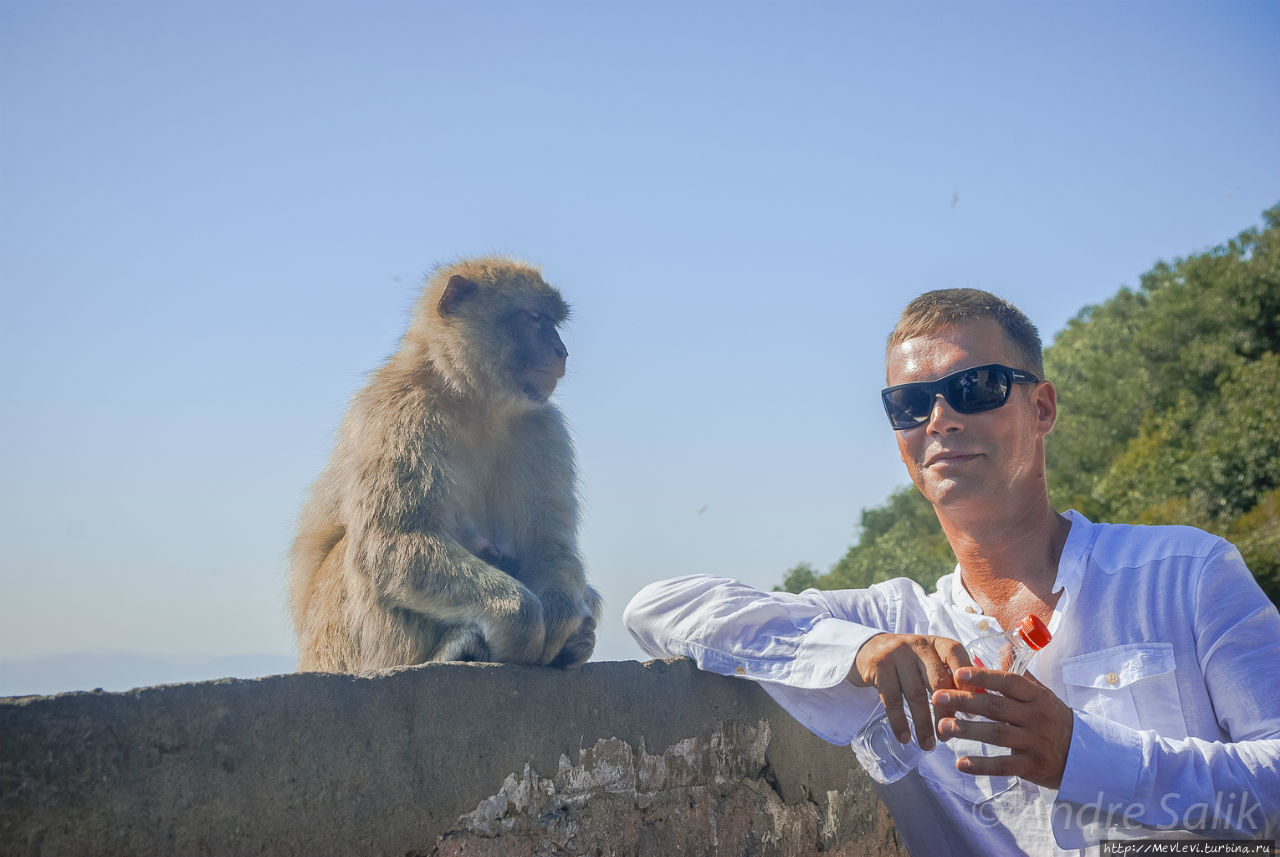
(733, 629)
(801, 648)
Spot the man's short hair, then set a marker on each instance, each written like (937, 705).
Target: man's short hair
(941, 308)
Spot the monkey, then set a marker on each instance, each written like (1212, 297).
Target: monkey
(444, 526)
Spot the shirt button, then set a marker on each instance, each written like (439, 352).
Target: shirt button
(969, 610)
(984, 625)
(1112, 678)
(740, 671)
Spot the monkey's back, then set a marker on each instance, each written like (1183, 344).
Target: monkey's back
(340, 623)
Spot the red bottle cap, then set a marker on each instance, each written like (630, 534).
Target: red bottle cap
(1035, 632)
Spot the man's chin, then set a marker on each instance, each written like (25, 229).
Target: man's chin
(945, 493)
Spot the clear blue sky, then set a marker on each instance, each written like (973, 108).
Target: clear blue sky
(214, 219)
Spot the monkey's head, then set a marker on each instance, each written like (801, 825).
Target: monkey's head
(488, 326)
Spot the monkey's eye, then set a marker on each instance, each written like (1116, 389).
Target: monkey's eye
(533, 316)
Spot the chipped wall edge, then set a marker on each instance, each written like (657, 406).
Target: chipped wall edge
(616, 758)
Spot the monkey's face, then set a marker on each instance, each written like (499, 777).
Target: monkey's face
(500, 334)
(537, 355)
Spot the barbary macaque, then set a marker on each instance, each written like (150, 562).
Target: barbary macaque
(444, 526)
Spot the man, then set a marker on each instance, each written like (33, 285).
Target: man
(1155, 710)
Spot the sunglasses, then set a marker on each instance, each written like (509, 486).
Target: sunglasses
(969, 391)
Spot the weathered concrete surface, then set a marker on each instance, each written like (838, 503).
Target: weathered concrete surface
(617, 758)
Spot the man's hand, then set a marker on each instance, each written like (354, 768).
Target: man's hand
(908, 666)
(1023, 715)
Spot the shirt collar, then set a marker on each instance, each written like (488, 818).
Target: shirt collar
(1071, 565)
(1074, 551)
(951, 588)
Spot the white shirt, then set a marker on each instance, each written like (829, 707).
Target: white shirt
(1163, 645)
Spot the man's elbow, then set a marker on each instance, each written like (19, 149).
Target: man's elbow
(642, 618)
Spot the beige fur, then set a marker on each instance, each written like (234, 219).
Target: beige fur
(445, 524)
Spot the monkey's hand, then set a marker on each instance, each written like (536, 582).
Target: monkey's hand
(514, 627)
(579, 646)
(571, 629)
(462, 644)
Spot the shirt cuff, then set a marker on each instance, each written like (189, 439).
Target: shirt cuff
(827, 651)
(1104, 764)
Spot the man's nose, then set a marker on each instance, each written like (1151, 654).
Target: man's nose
(943, 418)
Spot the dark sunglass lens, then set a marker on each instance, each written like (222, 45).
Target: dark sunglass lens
(908, 406)
(980, 389)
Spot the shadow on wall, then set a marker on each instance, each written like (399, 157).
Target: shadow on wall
(442, 759)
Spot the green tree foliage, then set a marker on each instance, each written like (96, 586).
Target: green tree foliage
(799, 578)
(1257, 534)
(1168, 412)
(902, 538)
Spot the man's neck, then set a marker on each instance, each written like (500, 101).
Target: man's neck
(1009, 563)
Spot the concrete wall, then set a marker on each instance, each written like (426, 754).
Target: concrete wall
(617, 758)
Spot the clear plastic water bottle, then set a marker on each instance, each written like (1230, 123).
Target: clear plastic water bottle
(887, 759)
(1010, 650)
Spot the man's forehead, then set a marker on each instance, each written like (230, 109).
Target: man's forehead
(948, 349)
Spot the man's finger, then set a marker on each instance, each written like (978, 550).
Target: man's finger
(891, 698)
(915, 690)
(1009, 684)
(994, 732)
(991, 706)
(1013, 765)
(952, 653)
(941, 660)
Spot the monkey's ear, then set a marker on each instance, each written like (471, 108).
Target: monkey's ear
(455, 292)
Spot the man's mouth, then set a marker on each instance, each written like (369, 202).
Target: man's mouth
(949, 457)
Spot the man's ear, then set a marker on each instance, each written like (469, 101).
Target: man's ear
(1046, 402)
